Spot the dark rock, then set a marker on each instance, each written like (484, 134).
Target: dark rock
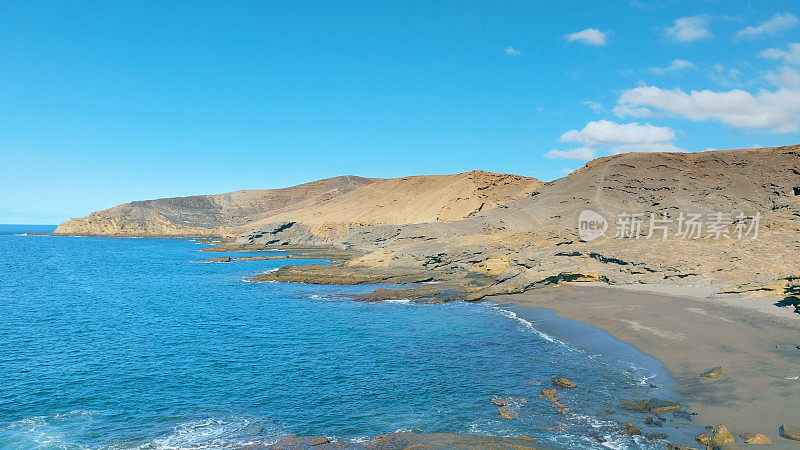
(634, 405)
(649, 420)
(499, 401)
(506, 412)
(563, 382)
(597, 436)
(671, 446)
(682, 415)
(301, 442)
(631, 429)
(714, 372)
(657, 405)
(656, 436)
(790, 432)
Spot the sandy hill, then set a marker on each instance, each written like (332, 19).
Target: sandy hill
(328, 207)
(535, 239)
(749, 181)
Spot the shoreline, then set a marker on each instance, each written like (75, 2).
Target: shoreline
(691, 334)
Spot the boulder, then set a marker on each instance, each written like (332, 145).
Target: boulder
(790, 432)
(759, 439)
(704, 438)
(565, 383)
(634, 405)
(656, 405)
(506, 412)
(499, 401)
(714, 372)
(550, 394)
(671, 446)
(631, 429)
(656, 436)
(721, 437)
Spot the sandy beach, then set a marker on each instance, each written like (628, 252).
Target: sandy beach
(754, 341)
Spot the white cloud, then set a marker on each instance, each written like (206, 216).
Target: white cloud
(688, 29)
(594, 106)
(589, 36)
(674, 66)
(785, 78)
(605, 133)
(511, 51)
(615, 138)
(790, 56)
(775, 24)
(578, 154)
(777, 111)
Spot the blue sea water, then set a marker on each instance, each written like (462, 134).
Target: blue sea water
(131, 343)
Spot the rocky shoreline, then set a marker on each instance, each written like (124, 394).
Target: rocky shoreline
(450, 285)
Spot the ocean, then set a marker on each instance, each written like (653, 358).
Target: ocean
(132, 343)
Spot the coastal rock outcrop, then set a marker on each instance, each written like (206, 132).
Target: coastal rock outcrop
(535, 241)
(790, 432)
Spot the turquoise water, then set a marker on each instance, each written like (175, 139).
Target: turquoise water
(130, 343)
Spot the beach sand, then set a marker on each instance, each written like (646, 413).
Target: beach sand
(754, 341)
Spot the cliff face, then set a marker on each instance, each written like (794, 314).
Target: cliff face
(328, 207)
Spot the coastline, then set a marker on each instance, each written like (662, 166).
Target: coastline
(689, 334)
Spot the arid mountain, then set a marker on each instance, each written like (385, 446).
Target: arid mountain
(327, 207)
(536, 239)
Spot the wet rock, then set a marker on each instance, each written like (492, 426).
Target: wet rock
(506, 412)
(790, 432)
(299, 442)
(721, 437)
(684, 415)
(746, 436)
(499, 401)
(550, 394)
(610, 411)
(714, 372)
(442, 440)
(524, 438)
(649, 420)
(565, 383)
(657, 405)
(758, 439)
(671, 446)
(597, 436)
(656, 436)
(634, 405)
(631, 429)
(221, 259)
(704, 438)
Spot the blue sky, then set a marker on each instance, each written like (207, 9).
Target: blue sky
(108, 102)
